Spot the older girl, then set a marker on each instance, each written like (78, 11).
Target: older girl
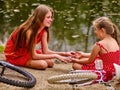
(20, 47)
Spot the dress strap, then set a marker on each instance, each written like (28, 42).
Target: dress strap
(39, 37)
(101, 46)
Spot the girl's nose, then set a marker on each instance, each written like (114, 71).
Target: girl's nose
(51, 19)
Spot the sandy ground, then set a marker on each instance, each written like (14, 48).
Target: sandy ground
(42, 76)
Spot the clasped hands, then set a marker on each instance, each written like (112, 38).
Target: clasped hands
(72, 56)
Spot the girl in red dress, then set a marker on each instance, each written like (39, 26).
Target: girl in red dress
(107, 49)
(20, 48)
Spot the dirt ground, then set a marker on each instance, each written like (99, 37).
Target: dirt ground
(42, 76)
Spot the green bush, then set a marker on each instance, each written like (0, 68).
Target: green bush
(1, 48)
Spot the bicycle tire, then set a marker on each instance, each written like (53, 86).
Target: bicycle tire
(27, 84)
(73, 78)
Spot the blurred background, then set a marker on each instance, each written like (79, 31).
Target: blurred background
(72, 25)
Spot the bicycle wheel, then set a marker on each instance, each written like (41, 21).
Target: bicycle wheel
(28, 80)
(74, 78)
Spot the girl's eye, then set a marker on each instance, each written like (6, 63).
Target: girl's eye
(48, 16)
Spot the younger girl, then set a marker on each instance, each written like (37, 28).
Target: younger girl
(20, 47)
(107, 49)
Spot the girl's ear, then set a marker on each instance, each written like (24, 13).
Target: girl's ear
(103, 30)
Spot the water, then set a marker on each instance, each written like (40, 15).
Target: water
(72, 26)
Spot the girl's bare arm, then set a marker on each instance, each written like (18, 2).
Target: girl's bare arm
(94, 54)
(45, 49)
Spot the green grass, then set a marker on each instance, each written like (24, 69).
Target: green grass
(2, 48)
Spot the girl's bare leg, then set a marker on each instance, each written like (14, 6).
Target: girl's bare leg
(37, 64)
(50, 63)
(76, 66)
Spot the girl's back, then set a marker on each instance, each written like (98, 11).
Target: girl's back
(110, 45)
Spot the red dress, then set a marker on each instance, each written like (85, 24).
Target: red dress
(22, 55)
(108, 59)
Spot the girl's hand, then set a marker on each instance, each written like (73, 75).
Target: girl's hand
(69, 53)
(78, 55)
(74, 60)
(63, 58)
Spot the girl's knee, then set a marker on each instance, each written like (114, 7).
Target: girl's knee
(42, 65)
(50, 63)
(37, 64)
(76, 66)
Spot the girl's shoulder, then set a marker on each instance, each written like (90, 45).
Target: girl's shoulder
(103, 43)
(110, 46)
(100, 43)
(28, 33)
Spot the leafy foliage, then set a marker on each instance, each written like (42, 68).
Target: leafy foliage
(2, 49)
(72, 24)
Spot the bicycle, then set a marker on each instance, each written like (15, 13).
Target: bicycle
(83, 77)
(21, 78)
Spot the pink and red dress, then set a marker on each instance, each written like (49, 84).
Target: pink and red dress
(108, 59)
(22, 55)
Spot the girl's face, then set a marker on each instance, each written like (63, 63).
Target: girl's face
(47, 20)
(98, 32)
